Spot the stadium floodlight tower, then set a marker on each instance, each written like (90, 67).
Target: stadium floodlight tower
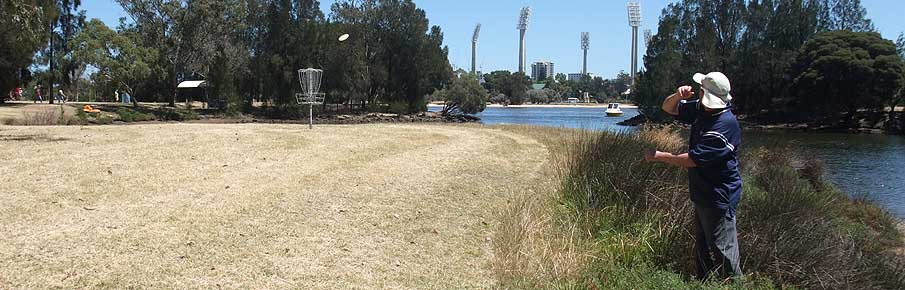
(585, 44)
(474, 50)
(522, 27)
(634, 20)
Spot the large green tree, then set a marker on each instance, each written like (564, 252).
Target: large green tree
(513, 85)
(117, 56)
(843, 71)
(401, 56)
(663, 64)
(753, 42)
(518, 87)
(22, 33)
(220, 44)
(848, 15)
(900, 96)
(64, 20)
(169, 26)
(464, 95)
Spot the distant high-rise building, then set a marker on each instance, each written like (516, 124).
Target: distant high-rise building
(542, 70)
(575, 77)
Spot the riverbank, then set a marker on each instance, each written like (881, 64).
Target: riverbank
(569, 105)
(615, 222)
(862, 123)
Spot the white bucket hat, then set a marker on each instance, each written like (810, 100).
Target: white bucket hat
(716, 89)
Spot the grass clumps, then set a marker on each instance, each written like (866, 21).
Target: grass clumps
(175, 114)
(129, 115)
(47, 116)
(633, 220)
(802, 231)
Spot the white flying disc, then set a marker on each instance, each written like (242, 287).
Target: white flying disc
(343, 37)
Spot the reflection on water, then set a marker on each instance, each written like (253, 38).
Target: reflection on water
(570, 117)
(869, 165)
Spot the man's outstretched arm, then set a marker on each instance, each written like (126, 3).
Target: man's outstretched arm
(681, 160)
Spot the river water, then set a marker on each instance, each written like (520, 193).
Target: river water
(863, 165)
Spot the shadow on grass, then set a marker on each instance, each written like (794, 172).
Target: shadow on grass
(32, 137)
(12, 105)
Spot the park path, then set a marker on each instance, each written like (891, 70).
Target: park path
(255, 205)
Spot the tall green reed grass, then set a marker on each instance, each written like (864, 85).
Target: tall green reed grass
(795, 228)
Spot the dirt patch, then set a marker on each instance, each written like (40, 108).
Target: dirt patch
(257, 205)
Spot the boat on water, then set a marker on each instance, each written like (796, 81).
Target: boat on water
(613, 110)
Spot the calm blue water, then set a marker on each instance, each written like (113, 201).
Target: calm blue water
(864, 165)
(569, 117)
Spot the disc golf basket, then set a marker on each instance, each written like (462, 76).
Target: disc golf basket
(310, 79)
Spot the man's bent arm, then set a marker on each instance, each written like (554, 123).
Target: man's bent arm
(671, 104)
(681, 160)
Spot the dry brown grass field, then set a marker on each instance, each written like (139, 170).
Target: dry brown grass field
(23, 113)
(258, 206)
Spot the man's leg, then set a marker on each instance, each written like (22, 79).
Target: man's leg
(726, 240)
(722, 238)
(702, 257)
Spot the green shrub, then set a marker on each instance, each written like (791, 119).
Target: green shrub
(128, 115)
(81, 116)
(174, 114)
(103, 119)
(290, 111)
(398, 108)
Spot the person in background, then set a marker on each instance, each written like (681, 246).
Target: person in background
(38, 96)
(62, 97)
(713, 177)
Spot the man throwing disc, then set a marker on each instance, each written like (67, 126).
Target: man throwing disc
(713, 178)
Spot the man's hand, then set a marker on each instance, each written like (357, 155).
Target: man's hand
(650, 155)
(671, 103)
(685, 92)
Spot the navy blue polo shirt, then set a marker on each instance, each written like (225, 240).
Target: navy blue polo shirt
(713, 146)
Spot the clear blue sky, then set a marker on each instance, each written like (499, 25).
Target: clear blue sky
(553, 32)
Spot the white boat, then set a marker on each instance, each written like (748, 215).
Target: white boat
(612, 110)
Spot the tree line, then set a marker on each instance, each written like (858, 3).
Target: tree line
(247, 50)
(799, 56)
(514, 88)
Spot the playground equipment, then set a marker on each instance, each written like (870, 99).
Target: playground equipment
(310, 80)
